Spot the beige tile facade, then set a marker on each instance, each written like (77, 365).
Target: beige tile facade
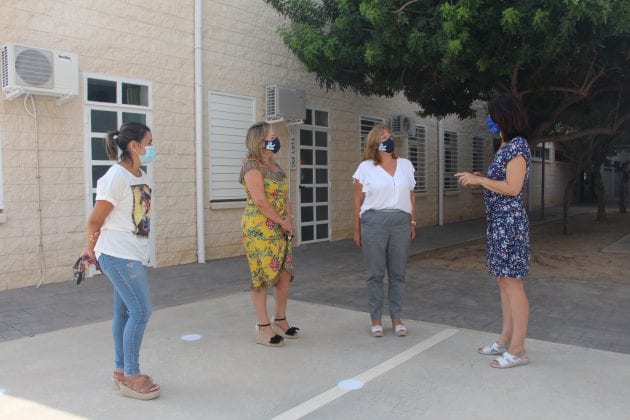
(44, 160)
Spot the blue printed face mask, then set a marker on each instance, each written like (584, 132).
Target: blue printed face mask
(273, 144)
(149, 155)
(387, 146)
(493, 128)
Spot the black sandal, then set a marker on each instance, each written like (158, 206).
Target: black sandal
(291, 332)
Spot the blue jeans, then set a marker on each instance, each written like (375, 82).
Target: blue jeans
(132, 309)
(385, 241)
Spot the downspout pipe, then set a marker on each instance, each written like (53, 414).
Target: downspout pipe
(201, 244)
(440, 171)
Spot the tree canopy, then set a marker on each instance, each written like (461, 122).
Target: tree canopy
(568, 60)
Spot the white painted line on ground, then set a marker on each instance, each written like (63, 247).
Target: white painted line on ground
(336, 392)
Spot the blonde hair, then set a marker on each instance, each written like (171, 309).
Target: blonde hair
(370, 152)
(255, 134)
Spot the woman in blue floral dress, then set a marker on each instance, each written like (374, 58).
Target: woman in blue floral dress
(508, 226)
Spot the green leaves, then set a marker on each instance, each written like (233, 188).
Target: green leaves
(566, 58)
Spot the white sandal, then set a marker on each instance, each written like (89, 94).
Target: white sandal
(400, 330)
(507, 360)
(377, 330)
(493, 349)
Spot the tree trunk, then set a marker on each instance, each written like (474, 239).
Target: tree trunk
(622, 192)
(565, 206)
(600, 193)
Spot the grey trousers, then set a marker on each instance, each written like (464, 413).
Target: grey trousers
(385, 241)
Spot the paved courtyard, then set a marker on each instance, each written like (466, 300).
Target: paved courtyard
(55, 347)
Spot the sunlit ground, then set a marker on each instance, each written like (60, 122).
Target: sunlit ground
(17, 408)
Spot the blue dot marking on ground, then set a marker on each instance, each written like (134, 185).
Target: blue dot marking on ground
(191, 337)
(350, 384)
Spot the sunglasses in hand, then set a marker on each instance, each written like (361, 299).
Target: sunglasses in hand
(81, 266)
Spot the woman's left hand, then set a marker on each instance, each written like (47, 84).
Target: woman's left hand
(468, 179)
(413, 231)
(287, 224)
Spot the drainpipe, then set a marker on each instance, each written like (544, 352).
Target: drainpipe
(440, 159)
(542, 182)
(201, 245)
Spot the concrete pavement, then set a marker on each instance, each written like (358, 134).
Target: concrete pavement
(55, 346)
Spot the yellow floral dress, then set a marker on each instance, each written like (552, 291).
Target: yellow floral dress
(268, 252)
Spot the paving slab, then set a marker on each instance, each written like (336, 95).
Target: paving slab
(434, 372)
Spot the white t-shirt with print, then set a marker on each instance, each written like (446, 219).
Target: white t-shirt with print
(383, 191)
(125, 232)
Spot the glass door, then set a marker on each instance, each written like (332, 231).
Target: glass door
(313, 185)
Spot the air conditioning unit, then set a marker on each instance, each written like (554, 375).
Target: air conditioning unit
(38, 71)
(284, 102)
(403, 125)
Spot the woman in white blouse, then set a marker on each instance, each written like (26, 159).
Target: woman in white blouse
(384, 223)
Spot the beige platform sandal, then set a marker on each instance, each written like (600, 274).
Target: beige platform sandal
(275, 341)
(291, 332)
(140, 387)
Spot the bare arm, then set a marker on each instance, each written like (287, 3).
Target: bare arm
(101, 210)
(512, 185)
(359, 196)
(254, 181)
(413, 214)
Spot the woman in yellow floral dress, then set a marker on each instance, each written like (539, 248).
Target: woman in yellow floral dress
(267, 231)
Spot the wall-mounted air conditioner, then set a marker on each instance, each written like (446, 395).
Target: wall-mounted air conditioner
(284, 102)
(403, 125)
(39, 71)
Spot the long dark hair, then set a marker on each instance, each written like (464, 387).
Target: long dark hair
(510, 115)
(120, 139)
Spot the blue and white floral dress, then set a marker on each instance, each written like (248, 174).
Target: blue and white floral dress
(508, 225)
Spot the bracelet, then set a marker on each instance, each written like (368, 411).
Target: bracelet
(413, 222)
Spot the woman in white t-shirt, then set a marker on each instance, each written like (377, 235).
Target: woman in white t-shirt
(118, 236)
(384, 223)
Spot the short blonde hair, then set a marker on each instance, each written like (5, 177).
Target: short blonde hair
(370, 152)
(255, 134)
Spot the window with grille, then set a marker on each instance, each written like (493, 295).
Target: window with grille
(538, 152)
(365, 125)
(1, 181)
(478, 154)
(417, 152)
(110, 102)
(450, 161)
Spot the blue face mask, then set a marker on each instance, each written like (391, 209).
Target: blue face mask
(387, 146)
(149, 155)
(273, 144)
(493, 128)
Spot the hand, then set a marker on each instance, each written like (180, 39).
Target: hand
(413, 231)
(467, 179)
(88, 255)
(287, 225)
(357, 239)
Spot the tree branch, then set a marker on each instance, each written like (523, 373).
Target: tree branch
(620, 122)
(598, 131)
(514, 81)
(404, 6)
(577, 134)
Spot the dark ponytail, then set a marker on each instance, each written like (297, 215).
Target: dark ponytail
(120, 139)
